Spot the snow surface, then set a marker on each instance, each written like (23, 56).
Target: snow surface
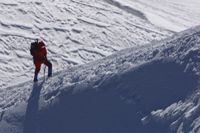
(114, 94)
(75, 32)
(156, 84)
(174, 15)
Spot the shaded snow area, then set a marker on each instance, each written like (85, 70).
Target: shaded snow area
(152, 88)
(75, 32)
(174, 15)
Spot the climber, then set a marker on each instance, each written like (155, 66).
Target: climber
(39, 53)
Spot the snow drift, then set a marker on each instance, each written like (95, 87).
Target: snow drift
(149, 88)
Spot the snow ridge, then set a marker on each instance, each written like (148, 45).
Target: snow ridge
(182, 49)
(117, 72)
(127, 7)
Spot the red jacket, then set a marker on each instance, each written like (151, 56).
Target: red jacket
(40, 53)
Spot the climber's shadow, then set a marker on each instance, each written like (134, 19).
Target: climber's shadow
(32, 109)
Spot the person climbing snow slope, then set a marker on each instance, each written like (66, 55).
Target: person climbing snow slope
(39, 53)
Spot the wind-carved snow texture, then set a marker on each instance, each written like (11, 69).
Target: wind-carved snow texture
(75, 32)
(174, 15)
(127, 8)
(162, 76)
(153, 77)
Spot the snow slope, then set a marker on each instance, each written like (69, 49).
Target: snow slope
(174, 15)
(75, 31)
(160, 82)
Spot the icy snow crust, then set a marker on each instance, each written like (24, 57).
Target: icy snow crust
(75, 31)
(159, 80)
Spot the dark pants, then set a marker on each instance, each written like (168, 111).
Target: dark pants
(38, 64)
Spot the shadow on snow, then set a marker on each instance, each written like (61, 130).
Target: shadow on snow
(152, 86)
(32, 109)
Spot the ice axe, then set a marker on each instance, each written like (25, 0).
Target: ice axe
(44, 72)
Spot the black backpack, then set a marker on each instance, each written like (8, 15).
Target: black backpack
(34, 47)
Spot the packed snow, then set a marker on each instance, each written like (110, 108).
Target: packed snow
(75, 32)
(157, 82)
(116, 68)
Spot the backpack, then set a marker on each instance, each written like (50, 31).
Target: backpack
(34, 47)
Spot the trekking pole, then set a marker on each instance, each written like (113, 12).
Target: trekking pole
(44, 72)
